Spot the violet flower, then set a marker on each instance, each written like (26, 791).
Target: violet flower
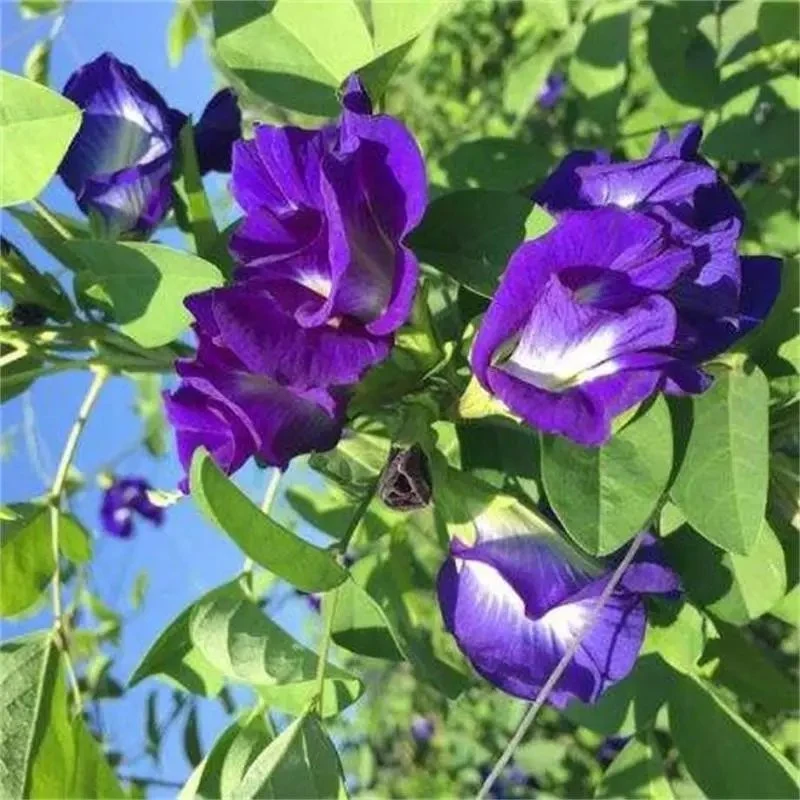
(518, 596)
(422, 729)
(122, 500)
(232, 399)
(637, 284)
(551, 91)
(326, 215)
(119, 165)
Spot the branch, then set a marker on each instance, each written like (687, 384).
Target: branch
(55, 499)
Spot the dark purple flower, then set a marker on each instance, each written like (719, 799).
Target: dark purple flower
(237, 402)
(422, 729)
(516, 599)
(635, 286)
(119, 165)
(124, 498)
(552, 90)
(326, 214)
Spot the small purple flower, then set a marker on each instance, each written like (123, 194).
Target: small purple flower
(637, 284)
(422, 729)
(119, 165)
(235, 400)
(326, 214)
(124, 498)
(516, 599)
(552, 90)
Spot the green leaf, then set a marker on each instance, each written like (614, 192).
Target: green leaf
(737, 662)
(736, 588)
(17, 376)
(638, 771)
(143, 285)
(139, 589)
(236, 637)
(26, 559)
(298, 54)
(36, 128)
(74, 539)
(471, 234)
(605, 495)
(721, 486)
(228, 760)
(46, 752)
(270, 545)
(293, 54)
(523, 79)
(24, 666)
(740, 763)
(682, 57)
(191, 739)
(181, 30)
(778, 21)
(629, 705)
(37, 62)
(192, 209)
(495, 163)
(30, 9)
(52, 241)
(359, 623)
(599, 66)
(301, 763)
(174, 657)
(677, 632)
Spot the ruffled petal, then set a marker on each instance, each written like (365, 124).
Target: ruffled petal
(685, 144)
(200, 420)
(561, 189)
(267, 339)
(281, 421)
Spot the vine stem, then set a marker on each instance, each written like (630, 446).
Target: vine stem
(266, 505)
(51, 219)
(569, 654)
(330, 613)
(55, 497)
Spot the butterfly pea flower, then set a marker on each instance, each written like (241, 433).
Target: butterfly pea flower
(233, 400)
(422, 729)
(125, 498)
(326, 213)
(551, 91)
(637, 284)
(119, 166)
(718, 295)
(518, 595)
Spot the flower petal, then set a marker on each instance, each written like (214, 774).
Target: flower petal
(220, 125)
(267, 338)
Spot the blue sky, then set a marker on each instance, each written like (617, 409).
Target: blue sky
(185, 557)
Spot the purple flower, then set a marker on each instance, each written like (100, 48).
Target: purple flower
(635, 286)
(516, 599)
(326, 214)
(125, 497)
(552, 90)
(422, 729)
(119, 165)
(234, 399)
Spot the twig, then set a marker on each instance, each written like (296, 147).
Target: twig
(330, 613)
(152, 781)
(51, 219)
(544, 692)
(55, 499)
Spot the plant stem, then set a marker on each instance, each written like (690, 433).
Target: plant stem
(330, 613)
(569, 654)
(55, 497)
(344, 542)
(51, 219)
(266, 505)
